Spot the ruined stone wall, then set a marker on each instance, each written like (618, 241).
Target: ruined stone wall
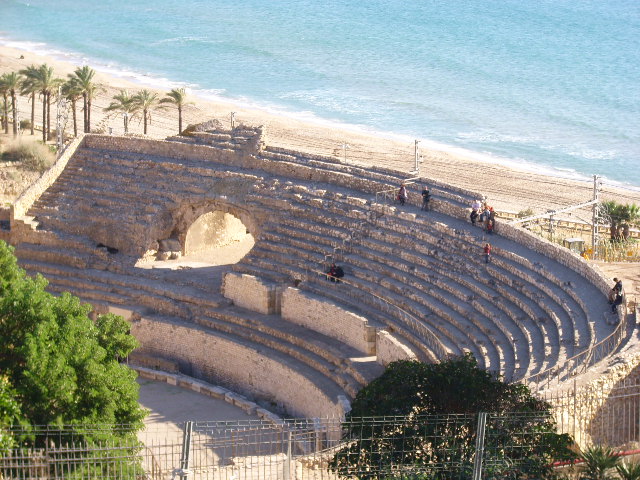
(605, 410)
(329, 319)
(214, 358)
(250, 292)
(389, 349)
(20, 207)
(558, 253)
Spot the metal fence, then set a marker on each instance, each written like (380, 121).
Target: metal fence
(599, 414)
(582, 361)
(446, 446)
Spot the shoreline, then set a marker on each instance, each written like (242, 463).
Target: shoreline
(507, 184)
(161, 83)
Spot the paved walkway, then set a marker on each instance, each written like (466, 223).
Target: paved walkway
(170, 406)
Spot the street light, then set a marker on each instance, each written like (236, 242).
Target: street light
(345, 146)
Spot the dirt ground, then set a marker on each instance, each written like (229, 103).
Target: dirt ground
(629, 273)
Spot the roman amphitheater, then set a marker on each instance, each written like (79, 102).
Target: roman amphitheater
(115, 218)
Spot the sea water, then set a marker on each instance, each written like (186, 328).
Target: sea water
(550, 84)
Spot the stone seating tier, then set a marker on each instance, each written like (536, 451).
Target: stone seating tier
(476, 247)
(519, 315)
(105, 288)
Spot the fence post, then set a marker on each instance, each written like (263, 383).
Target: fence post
(477, 462)
(186, 450)
(287, 463)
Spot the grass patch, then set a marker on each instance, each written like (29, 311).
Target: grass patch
(31, 155)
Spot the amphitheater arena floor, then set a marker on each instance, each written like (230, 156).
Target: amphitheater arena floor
(169, 406)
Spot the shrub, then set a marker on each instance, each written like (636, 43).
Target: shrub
(33, 156)
(25, 124)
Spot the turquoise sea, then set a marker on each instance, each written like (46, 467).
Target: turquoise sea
(552, 84)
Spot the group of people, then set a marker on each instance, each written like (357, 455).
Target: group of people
(403, 196)
(485, 214)
(335, 273)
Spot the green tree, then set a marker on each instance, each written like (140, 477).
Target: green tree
(72, 91)
(10, 83)
(10, 414)
(177, 97)
(620, 218)
(5, 107)
(123, 103)
(146, 101)
(47, 83)
(434, 410)
(63, 367)
(30, 88)
(83, 79)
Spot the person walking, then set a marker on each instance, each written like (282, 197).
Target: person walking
(402, 194)
(426, 197)
(487, 252)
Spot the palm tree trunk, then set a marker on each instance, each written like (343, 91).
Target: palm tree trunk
(85, 115)
(44, 117)
(33, 111)
(14, 107)
(88, 115)
(48, 115)
(5, 114)
(179, 120)
(144, 113)
(75, 121)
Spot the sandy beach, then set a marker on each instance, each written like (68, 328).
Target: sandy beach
(506, 188)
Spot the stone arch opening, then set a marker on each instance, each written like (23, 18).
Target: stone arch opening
(217, 238)
(210, 233)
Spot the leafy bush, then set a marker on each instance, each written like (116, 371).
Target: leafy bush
(25, 124)
(33, 156)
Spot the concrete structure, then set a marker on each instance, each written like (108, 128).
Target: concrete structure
(270, 327)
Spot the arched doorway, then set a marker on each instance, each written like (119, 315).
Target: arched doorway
(217, 238)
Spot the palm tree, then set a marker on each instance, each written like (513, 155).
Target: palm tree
(83, 76)
(46, 83)
(146, 101)
(630, 216)
(178, 97)
(11, 83)
(628, 471)
(613, 213)
(30, 88)
(125, 104)
(598, 462)
(4, 91)
(72, 91)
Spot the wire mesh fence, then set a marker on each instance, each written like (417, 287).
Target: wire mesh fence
(434, 446)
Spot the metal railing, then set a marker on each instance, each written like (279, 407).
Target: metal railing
(582, 361)
(449, 446)
(418, 328)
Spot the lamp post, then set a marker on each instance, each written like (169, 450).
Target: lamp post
(344, 147)
(232, 120)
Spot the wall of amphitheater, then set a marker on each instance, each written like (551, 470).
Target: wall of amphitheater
(252, 293)
(329, 319)
(605, 410)
(219, 360)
